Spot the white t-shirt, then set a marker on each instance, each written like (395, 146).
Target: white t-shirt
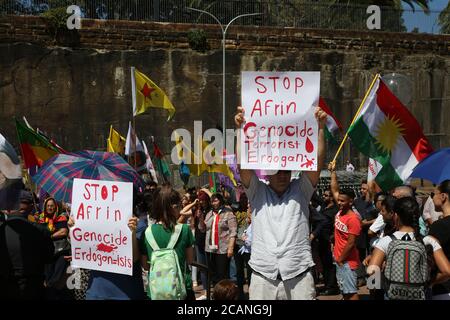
(384, 242)
(430, 212)
(378, 225)
(378, 228)
(280, 228)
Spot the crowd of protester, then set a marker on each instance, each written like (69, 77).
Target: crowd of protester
(281, 238)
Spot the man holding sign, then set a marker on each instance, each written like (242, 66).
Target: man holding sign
(281, 132)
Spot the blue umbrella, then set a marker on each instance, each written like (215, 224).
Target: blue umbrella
(435, 167)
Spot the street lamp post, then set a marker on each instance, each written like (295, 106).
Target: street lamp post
(224, 32)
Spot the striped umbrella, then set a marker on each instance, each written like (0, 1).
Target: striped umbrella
(57, 173)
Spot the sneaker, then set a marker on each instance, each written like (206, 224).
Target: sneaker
(202, 297)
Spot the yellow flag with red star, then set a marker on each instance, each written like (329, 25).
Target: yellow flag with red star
(146, 94)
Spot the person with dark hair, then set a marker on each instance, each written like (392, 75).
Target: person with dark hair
(377, 226)
(440, 230)
(203, 207)
(25, 249)
(243, 244)
(226, 290)
(166, 211)
(151, 186)
(324, 233)
(347, 228)
(364, 207)
(387, 229)
(26, 205)
(221, 232)
(406, 219)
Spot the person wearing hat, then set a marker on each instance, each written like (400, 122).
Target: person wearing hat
(26, 206)
(281, 257)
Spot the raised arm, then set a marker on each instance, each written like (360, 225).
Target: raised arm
(314, 176)
(334, 185)
(186, 212)
(245, 174)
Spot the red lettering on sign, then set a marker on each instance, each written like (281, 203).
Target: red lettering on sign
(95, 185)
(104, 192)
(115, 189)
(264, 89)
(247, 126)
(298, 84)
(88, 195)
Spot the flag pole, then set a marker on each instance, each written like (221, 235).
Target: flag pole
(32, 191)
(22, 163)
(135, 142)
(133, 97)
(356, 115)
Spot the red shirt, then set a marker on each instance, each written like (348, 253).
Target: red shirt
(344, 225)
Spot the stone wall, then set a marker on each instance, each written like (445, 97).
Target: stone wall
(74, 87)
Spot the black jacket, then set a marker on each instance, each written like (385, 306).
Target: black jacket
(24, 248)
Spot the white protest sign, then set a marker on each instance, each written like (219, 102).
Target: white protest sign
(100, 238)
(280, 131)
(373, 168)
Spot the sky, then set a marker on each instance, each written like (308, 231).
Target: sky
(425, 23)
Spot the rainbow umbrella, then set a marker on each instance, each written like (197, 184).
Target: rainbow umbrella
(57, 174)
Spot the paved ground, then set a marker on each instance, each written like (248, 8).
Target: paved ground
(363, 293)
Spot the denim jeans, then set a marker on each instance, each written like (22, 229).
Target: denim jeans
(346, 278)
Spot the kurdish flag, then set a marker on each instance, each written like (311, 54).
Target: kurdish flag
(332, 126)
(36, 149)
(387, 132)
(146, 94)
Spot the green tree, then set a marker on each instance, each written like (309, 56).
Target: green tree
(444, 20)
(330, 14)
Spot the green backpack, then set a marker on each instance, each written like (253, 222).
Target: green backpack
(165, 278)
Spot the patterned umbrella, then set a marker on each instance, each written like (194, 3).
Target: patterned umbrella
(57, 173)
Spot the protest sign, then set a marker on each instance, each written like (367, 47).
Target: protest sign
(280, 131)
(372, 169)
(101, 239)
